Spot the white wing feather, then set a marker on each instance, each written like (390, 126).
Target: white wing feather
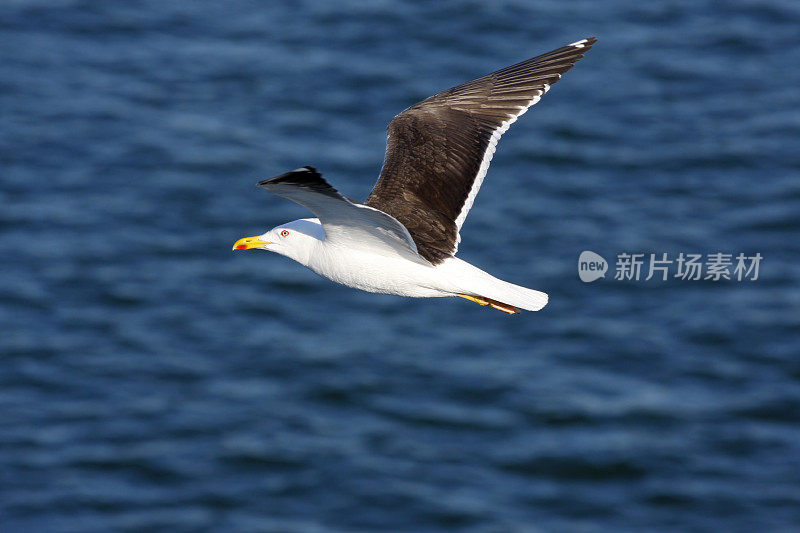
(352, 225)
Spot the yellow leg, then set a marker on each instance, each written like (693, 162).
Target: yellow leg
(500, 306)
(477, 299)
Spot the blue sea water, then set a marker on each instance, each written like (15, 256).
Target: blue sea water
(153, 380)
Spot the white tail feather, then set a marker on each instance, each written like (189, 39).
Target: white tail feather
(508, 293)
(476, 282)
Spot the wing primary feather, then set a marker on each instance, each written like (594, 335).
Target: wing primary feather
(438, 150)
(304, 177)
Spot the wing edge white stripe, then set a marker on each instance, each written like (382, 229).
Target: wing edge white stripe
(487, 159)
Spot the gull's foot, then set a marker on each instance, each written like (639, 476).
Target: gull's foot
(500, 306)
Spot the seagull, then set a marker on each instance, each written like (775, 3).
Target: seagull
(403, 239)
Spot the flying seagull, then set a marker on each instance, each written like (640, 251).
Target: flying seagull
(403, 239)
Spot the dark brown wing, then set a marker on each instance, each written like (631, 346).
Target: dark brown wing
(438, 151)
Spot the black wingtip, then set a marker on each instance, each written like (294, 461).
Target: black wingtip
(305, 177)
(584, 44)
(304, 173)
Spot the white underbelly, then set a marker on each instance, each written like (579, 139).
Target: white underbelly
(379, 273)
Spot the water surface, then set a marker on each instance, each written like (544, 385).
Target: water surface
(154, 380)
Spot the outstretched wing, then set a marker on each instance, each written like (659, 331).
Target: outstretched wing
(438, 151)
(346, 223)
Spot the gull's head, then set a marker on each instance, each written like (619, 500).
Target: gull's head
(295, 239)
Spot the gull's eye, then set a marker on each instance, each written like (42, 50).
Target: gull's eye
(284, 233)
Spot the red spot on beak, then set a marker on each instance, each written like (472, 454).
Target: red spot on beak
(242, 247)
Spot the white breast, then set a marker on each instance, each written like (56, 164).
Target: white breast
(374, 272)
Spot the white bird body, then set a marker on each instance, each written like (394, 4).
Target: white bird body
(403, 239)
(362, 267)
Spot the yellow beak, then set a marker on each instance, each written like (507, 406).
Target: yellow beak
(250, 242)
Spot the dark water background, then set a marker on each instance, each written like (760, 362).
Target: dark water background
(153, 380)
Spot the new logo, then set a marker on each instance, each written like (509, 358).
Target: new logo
(591, 266)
